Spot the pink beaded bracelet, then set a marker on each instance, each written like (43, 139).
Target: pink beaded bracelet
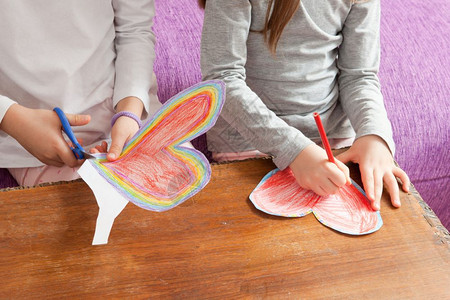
(126, 114)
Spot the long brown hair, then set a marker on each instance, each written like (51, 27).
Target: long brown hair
(279, 13)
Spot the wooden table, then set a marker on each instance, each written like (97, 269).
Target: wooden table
(215, 245)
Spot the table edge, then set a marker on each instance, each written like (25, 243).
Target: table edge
(438, 229)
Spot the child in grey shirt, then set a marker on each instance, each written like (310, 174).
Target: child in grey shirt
(284, 60)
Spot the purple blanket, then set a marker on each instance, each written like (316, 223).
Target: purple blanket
(415, 76)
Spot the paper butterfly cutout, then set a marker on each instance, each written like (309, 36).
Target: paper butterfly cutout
(155, 171)
(347, 211)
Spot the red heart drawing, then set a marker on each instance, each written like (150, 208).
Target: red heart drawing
(347, 211)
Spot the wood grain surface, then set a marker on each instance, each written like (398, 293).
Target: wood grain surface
(214, 245)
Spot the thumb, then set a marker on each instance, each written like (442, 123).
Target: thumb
(78, 120)
(116, 147)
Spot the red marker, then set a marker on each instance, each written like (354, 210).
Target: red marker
(323, 136)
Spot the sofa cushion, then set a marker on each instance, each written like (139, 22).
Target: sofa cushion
(415, 79)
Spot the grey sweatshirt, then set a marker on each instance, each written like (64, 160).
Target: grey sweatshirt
(327, 62)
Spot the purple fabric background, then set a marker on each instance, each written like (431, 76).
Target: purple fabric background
(415, 76)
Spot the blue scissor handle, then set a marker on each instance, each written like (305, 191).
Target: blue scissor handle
(77, 150)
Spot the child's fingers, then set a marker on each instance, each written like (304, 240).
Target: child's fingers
(323, 188)
(345, 170)
(328, 187)
(78, 120)
(66, 155)
(392, 187)
(403, 178)
(104, 146)
(335, 180)
(53, 162)
(378, 189)
(320, 191)
(368, 183)
(116, 147)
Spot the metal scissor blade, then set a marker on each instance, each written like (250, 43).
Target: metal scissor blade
(88, 155)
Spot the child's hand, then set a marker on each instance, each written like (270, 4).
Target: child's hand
(123, 130)
(39, 132)
(313, 171)
(377, 167)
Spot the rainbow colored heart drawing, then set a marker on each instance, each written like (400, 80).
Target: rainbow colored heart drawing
(348, 211)
(155, 171)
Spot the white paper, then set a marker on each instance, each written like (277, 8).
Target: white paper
(109, 201)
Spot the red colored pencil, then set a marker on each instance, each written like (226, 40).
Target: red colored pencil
(323, 137)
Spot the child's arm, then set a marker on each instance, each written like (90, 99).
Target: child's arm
(362, 101)
(134, 43)
(39, 132)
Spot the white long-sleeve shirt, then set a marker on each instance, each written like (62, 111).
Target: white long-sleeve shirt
(83, 56)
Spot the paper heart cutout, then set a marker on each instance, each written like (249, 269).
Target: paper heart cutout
(154, 171)
(347, 211)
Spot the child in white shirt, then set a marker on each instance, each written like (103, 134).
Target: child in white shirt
(92, 59)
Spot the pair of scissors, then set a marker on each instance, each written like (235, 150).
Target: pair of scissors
(78, 149)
